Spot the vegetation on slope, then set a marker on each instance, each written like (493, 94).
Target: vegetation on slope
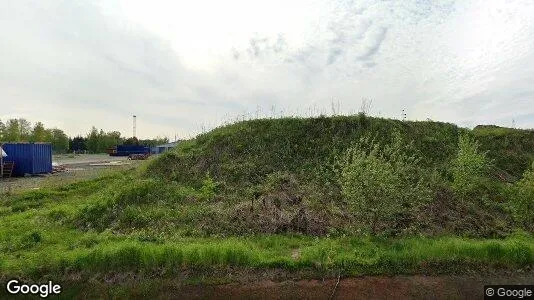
(244, 153)
(40, 242)
(287, 175)
(357, 195)
(511, 149)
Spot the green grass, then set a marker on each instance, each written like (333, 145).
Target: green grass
(352, 256)
(242, 159)
(42, 242)
(243, 153)
(239, 196)
(511, 149)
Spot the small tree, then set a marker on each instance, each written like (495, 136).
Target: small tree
(522, 202)
(382, 184)
(25, 128)
(38, 133)
(77, 144)
(2, 130)
(469, 167)
(208, 189)
(59, 141)
(12, 131)
(92, 140)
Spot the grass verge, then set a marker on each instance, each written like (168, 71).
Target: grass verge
(347, 255)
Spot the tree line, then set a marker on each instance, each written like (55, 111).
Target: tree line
(96, 141)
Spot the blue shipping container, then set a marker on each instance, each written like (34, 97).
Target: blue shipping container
(125, 150)
(29, 158)
(132, 148)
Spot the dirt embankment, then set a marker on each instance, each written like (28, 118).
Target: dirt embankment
(366, 287)
(405, 287)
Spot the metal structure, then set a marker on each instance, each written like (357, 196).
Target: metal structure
(164, 147)
(134, 125)
(126, 150)
(28, 158)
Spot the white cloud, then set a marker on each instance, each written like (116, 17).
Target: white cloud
(181, 65)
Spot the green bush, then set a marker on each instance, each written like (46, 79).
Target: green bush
(383, 184)
(522, 202)
(208, 190)
(469, 167)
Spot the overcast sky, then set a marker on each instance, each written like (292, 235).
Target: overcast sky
(183, 65)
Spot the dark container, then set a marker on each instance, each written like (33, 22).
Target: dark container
(29, 158)
(125, 150)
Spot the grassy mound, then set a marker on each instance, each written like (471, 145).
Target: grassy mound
(357, 195)
(283, 175)
(243, 154)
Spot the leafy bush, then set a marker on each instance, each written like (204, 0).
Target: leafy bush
(208, 190)
(469, 167)
(522, 202)
(383, 184)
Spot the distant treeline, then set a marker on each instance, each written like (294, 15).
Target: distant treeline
(96, 141)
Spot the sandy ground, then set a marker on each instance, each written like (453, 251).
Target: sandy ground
(78, 167)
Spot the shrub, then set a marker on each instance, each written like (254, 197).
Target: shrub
(469, 167)
(383, 185)
(208, 190)
(522, 202)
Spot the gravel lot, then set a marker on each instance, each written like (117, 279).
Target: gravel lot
(78, 167)
(79, 159)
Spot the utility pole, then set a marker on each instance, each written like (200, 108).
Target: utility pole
(403, 115)
(134, 125)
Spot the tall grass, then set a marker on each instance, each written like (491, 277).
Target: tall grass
(354, 256)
